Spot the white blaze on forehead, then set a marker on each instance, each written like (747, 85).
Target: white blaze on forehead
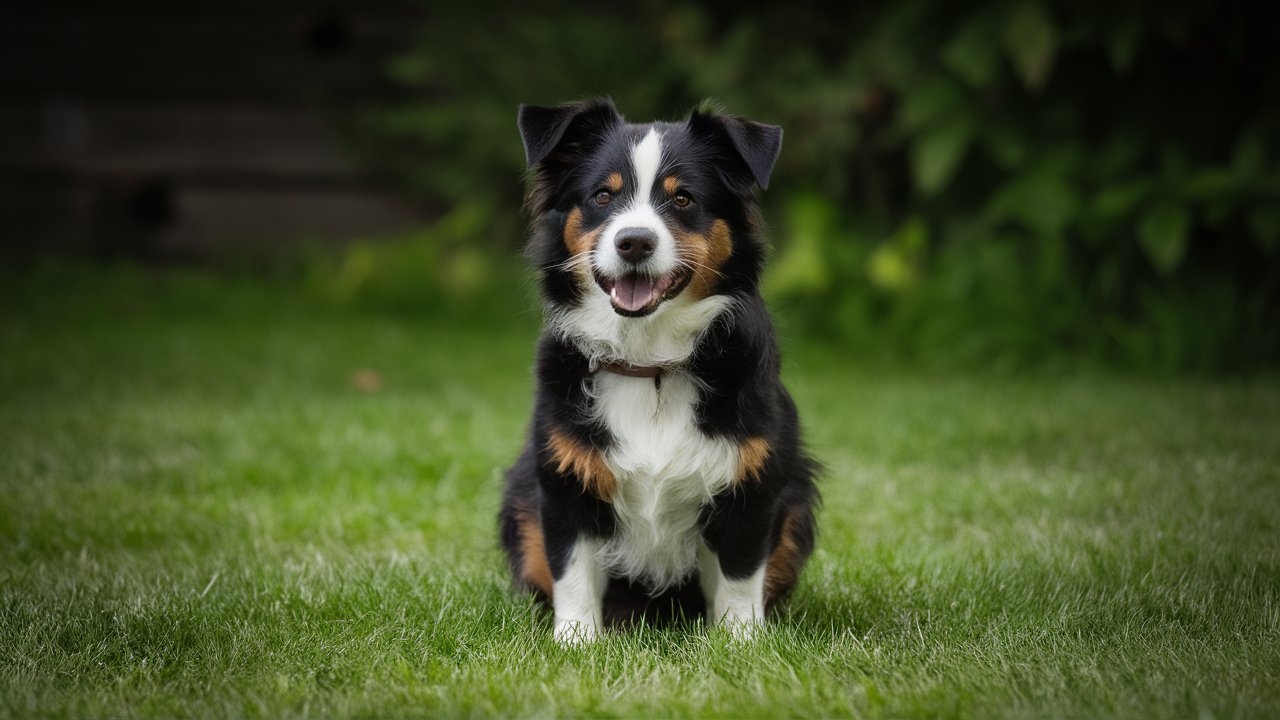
(645, 157)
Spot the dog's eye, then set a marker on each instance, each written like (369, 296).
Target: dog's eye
(602, 197)
(682, 199)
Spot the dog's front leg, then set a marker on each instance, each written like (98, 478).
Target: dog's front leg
(734, 601)
(578, 593)
(733, 556)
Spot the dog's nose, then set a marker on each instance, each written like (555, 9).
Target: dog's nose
(636, 244)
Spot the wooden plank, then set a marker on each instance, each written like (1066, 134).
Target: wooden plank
(197, 48)
(266, 222)
(178, 140)
(187, 127)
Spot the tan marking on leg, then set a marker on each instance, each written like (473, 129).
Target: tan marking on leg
(587, 464)
(614, 182)
(782, 569)
(752, 455)
(705, 254)
(534, 568)
(580, 244)
(670, 184)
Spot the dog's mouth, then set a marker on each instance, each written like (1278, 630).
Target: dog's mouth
(637, 294)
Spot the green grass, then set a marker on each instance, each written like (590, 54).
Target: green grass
(201, 516)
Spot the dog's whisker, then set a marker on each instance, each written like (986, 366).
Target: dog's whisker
(574, 261)
(689, 263)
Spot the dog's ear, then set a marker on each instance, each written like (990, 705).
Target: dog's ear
(759, 145)
(544, 130)
(756, 144)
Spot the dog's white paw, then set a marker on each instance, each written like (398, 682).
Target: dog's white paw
(743, 629)
(573, 632)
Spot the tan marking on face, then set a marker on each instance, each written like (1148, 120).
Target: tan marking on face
(586, 464)
(534, 568)
(782, 569)
(614, 182)
(670, 185)
(705, 254)
(580, 245)
(752, 455)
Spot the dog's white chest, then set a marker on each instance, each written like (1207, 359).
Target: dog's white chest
(666, 470)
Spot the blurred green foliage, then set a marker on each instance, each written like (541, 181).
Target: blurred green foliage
(446, 271)
(990, 184)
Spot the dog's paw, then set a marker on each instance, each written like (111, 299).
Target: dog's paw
(743, 629)
(572, 632)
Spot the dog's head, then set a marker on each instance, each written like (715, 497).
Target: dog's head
(641, 214)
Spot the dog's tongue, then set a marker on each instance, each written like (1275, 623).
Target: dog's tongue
(632, 292)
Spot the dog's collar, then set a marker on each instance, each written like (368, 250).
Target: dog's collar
(629, 370)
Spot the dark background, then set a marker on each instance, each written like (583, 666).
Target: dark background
(996, 184)
(181, 130)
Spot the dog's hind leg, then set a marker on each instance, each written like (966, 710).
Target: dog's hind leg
(793, 541)
(520, 529)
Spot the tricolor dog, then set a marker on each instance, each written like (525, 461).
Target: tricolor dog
(664, 471)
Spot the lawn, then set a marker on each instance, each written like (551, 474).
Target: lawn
(220, 498)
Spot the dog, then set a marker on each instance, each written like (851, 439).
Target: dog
(664, 474)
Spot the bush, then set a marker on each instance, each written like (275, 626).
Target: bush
(1007, 183)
